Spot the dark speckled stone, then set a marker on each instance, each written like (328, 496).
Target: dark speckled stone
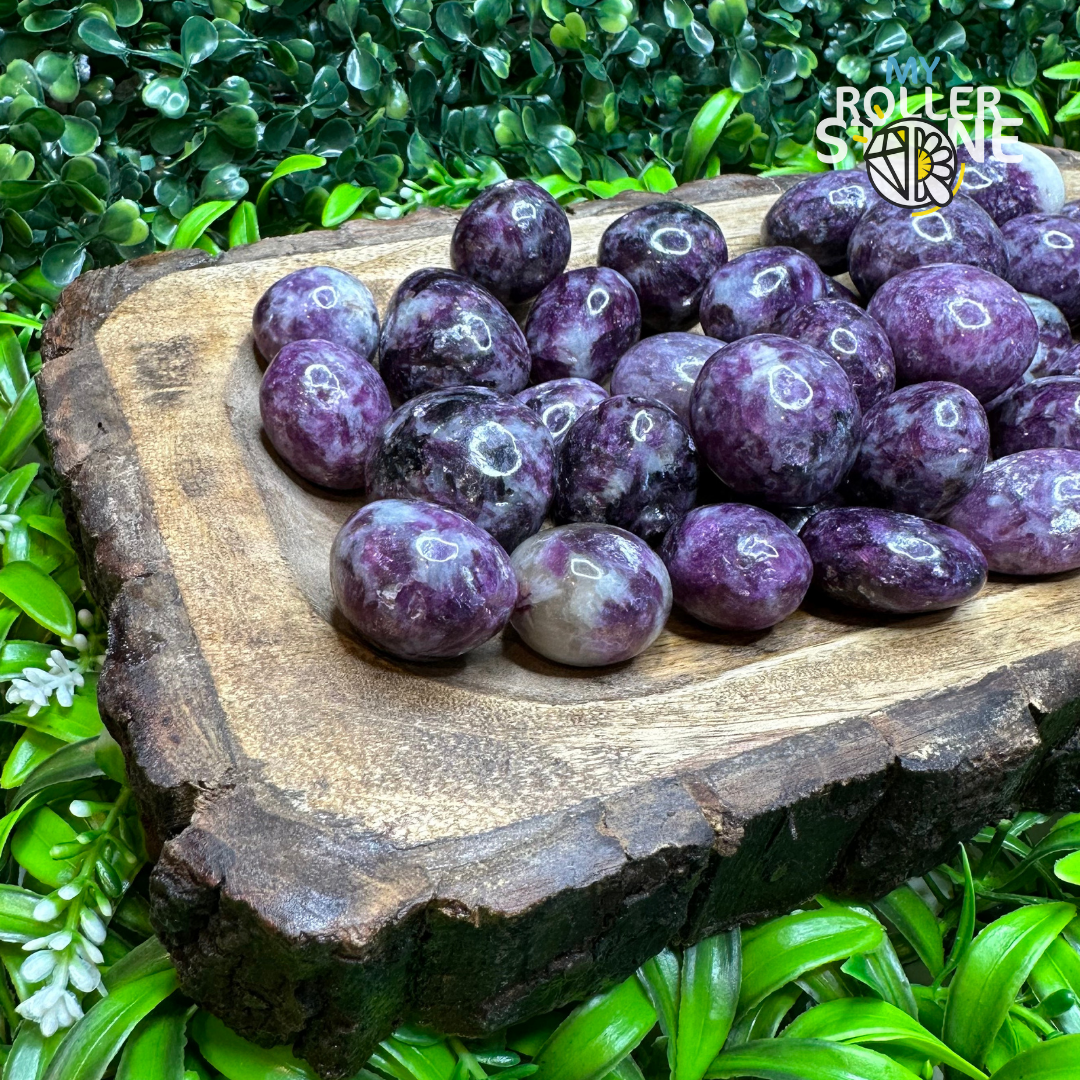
(484, 455)
(1007, 189)
(560, 402)
(880, 560)
(1038, 414)
(1044, 259)
(420, 581)
(664, 367)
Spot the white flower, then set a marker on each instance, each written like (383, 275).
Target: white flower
(37, 686)
(53, 1007)
(46, 910)
(84, 976)
(38, 966)
(85, 617)
(7, 521)
(92, 926)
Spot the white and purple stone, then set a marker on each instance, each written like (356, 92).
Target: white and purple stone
(898, 564)
(923, 449)
(664, 367)
(420, 581)
(1007, 189)
(512, 239)
(317, 302)
(736, 567)
(853, 339)
(629, 462)
(1037, 415)
(1071, 209)
(776, 419)
(443, 330)
(484, 455)
(1024, 513)
(753, 293)
(837, 290)
(889, 240)
(590, 595)
(322, 406)
(667, 251)
(1044, 259)
(560, 402)
(581, 324)
(957, 324)
(1055, 339)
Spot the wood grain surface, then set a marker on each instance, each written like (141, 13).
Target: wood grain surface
(347, 841)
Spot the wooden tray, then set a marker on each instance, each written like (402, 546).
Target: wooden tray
(346, 841)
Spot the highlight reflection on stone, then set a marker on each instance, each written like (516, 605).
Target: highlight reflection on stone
(664, 367)
(560, 402)
(1044, 259)
(1007, 189)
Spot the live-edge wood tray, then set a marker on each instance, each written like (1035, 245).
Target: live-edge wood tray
(346, 841)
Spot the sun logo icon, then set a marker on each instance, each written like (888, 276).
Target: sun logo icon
(911, 163)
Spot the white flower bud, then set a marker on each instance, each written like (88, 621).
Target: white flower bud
(38, 966)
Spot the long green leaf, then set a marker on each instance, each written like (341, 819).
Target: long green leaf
(660, 981)
(31, 1052)
(195, 222)
(155, 1050)
(39, 596)
(433, 1061)
(244, 225)
(1053, 1060)
(238, 1059)
(708, 994)
(21, 425)
(1068, 869)
(293, 164)
(1031, 104)
(705, 129)
(907, 911)
(764, 1020)
(805, 1059)
(1059, 969)
(1053, 843)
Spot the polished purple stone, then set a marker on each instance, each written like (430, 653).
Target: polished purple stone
(879, 560)
(854, 340)
(736, 566)
(1044, 259)
(753, 293)
(513, 239)
(796, 517)
(1071, 209)
(322, 407)
(581, 324)
(837, 290)
(484, 455)
(317, 302)
(1025, 512)
(664, 367)
(776, 419)
(923, 449)
(1007, 189)
(1055, 339)
(629, 462)
(818, 215)
(957, 324)
(560, 402)
(420, 581)
(667, 251)
(1038, 414)
(443, 330)
(888, 240)
(589, 595)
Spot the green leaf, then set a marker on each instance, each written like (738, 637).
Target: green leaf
(1070, 70)
(244, 225)
(98, 35)
(1057, 970)
(155, 1049)
(677, 14)
(120, 223)
(198, 40)
(34, 839)
(39, 596)
(344, 201)
(1055, 842)
(17, 922)
(237, 1059)
(13, 318)
(293, 164)
(31, 1052)
(362, 70)
(33, 749)
(1031, 104)
(80, 136)
(1068, 869)
(1052, 1060)
(708, 994)
(705, 129)
(432, 1061)
(168, 95)
(14, 376)
(744, 72)
(660, 980)
(907, 911)
(194, 223)
(805, 1059)
(21, 425)
(62, 263)
(70, 723)
(73, 762)
(1069, 111)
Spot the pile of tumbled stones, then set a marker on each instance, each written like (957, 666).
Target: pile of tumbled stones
(728, 471)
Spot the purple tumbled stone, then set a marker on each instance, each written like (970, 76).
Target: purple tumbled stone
(889, 240)
(1038, 414)
(589, 595)
(487, 456)
(818, 215)
(1024, 513)
(837, 290)
(629, 462)
(664, 367)
(581, 324)
(1044, 259)
(879, 560)
(1007, 189)
(923, 449)
(796, 517)
(322, 406)
(957, 324)
(560, 402)
(420, 581)
(513, 239)
(667, 251)
(776, 419)
(444, 330)
(1055, 339)
(736, 566)
(1071, 209)
(854, 340)
(317, 302)
(753, 293)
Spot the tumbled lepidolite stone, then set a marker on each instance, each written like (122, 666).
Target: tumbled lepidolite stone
(889, 240)
(487, 456)
(1007, 189)
(513, 238)
(420, 581)
(776, 419)
(753, 293)
(923, 449)
(957, 324)
(444, 330)
(736, 567)
(560, 402)
(880, 560)
(581, 324)
(1055, 339)
(322, 406)
(317, 302)
(1038, 414)
(589, 595)
(664, 367)
(854, 340)
(818, 215)
(1071, 209)
(836, 290)
(1044, 259)
(629, 462)
(667, 251)
(1024, 513)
